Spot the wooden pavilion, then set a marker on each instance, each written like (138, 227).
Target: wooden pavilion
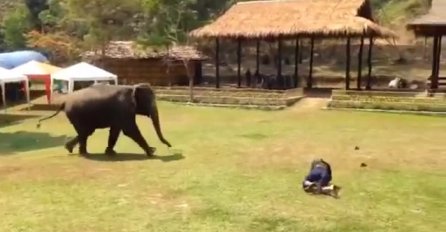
(133, 63)
(432, 24)
(279, 20)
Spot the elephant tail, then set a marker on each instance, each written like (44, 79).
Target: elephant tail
(62, 107)
(157, 126)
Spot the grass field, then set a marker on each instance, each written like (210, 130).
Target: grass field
(230, 170)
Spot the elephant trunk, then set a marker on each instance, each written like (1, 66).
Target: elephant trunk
(156, 124)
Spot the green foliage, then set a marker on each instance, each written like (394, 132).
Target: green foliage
(158, 23)
(171, 20)
(15, 26)
(35, 7)
(53, 16)
(398, 12)
(106, 19)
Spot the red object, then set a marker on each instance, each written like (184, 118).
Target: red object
(39, 71)
(47, 80)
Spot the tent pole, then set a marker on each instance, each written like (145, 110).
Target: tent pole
(3, 95)
(28, 98)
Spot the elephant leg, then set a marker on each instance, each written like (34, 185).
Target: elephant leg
(83, 136)
(112, 138)
(71, 144)
(132, 131)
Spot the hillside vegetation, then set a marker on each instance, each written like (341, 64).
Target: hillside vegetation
(63, 28)
(396, 13)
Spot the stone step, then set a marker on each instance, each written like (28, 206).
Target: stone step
(225, 89)
(220, 93)
(252, 107)
(408, 106)
(388, 99)
(230, 100)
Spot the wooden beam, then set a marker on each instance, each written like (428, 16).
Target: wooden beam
(310, 76)
(217, 63)
(239, 62)
(369, 62)
(359, 80)
(347, 64)
(258, 56)
(296, 63)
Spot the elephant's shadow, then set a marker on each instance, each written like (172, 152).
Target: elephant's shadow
(121, 157)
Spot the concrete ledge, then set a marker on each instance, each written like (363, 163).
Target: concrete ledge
(425, 113)
(246, 107)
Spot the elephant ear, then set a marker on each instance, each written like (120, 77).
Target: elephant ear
(140, 93)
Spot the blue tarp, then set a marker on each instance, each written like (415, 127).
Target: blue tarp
(11, 60)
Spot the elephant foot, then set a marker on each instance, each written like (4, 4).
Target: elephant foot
(110, 152)
(83, 152)
(69, 148)
(150, 151)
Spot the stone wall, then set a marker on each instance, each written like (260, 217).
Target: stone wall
(232, 97)
(401, 101)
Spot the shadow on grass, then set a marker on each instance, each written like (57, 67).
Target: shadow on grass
(23, 141)
(12, 119)
(120, 157)
(43, 107)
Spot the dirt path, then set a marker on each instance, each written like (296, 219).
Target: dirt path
(309, 104)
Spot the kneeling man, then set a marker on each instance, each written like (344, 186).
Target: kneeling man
(318, 179)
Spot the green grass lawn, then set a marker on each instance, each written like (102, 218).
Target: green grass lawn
(230, 170)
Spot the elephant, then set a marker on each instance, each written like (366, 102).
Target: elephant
(110, 106)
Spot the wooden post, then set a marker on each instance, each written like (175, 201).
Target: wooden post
(217, 63)
(439, 56)
(369, 61)
(310, 77)
(300, 53)
(433, 84)
(347, 67)
(239, 62)
(296, 63)
(359, 80)
(258, 56)
(279, 59)
(198, 75)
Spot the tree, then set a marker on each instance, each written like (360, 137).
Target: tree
(52, 17)
(169, 28)
(61, 47)
(14, 28)
(106, 19)
(35, 7)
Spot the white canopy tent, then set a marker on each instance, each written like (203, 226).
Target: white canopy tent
(8, 76)
(83, 72)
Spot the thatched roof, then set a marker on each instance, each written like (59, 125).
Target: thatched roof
(131, 50)
(291, 18)
(434, 22)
